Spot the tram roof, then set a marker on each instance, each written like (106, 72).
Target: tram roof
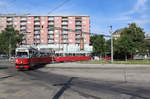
(79, 52)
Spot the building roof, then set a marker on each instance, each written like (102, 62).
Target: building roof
(41, 15)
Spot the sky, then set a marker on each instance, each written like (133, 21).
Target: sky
(103, 13)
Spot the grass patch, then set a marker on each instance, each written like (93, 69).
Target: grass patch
(116, 62)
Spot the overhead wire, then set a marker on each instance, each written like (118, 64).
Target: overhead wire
(59, 6)
(71, 30)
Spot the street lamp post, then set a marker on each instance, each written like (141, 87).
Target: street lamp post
(112, 54)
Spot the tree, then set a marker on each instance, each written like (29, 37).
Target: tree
(98, 43)
(130, 41)
(9, 38)
(145, 48)
(124, 47)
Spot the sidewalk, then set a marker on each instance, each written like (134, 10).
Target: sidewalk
(78, 65)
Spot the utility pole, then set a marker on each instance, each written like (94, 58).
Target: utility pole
(112, 54)
(59, 39)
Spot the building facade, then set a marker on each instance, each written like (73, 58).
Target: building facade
(50, 30)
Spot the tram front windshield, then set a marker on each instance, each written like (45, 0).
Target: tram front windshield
(22, 54)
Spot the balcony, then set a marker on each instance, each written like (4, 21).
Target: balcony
(65, 36)
(64, 18)
(36, 32)
(65, 26)
(37, 28)
(10, 23)
(65, 41)
(23, 23)
(37, 18)
(64, 32)
(51, 18)
(51, 23)
(23, 31)
(23, 19)
(78, 41)
(50, 27)
(78, 23)
(23, 28)
(37, 23)
(78, 19)
(78, 32)
(9, 19)
(50, 41)
(37, 37)
(78, 27)
(51, 36)
(24, 41)
(50, 32)
(64, 23)
(78, 37)
(37, 41)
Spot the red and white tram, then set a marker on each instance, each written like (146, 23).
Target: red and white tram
(27, 57)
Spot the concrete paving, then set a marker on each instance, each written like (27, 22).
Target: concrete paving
(107, 72)
(21, 86)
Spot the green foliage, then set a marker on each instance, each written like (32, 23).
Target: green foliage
(131, 41)
(108, 46)
(124, 46)
(144, 47)
(98, 43)
(9, 38)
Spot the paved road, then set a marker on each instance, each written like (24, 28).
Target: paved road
(42, 83)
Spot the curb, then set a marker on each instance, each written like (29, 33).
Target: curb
(90, 66)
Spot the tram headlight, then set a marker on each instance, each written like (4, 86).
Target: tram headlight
(16, 61)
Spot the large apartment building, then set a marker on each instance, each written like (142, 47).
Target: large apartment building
(50, 30)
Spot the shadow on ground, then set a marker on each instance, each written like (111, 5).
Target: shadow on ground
(36, 67)
(1, 68)
(65, 87)
(5, 77)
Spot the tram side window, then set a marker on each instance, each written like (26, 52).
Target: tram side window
(74, 54)
(57, 54)
(34, 54)
(61, 55)
(83, 54)
(77, 54)
(70, 54)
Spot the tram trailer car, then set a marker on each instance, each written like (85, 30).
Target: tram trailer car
(64, 57)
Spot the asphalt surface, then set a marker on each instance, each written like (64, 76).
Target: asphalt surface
(41, 83)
